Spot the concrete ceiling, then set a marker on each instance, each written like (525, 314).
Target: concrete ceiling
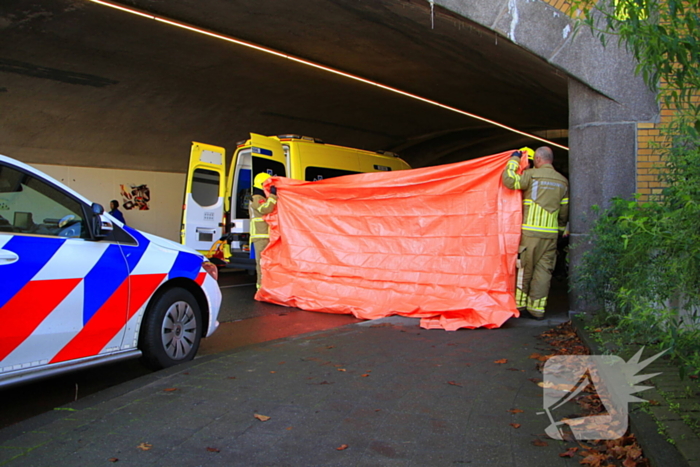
(83, 84)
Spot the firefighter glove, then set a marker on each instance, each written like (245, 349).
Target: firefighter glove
(273, 190)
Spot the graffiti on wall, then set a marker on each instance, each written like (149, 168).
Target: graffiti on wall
(135, 197)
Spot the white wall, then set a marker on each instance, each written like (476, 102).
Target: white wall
(167, 190)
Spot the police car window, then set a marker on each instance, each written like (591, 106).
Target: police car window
(29, 205)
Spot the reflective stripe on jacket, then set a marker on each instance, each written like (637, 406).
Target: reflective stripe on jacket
(258, 207)
(545, 198)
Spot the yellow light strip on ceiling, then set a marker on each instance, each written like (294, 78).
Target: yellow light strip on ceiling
(324, 68)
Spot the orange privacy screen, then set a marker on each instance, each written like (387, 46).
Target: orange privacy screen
(437, 243)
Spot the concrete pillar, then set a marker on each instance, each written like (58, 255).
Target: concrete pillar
(602, 163)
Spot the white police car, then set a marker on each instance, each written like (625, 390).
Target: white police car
(78, 288)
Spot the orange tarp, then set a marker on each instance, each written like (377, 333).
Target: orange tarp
(437, 243)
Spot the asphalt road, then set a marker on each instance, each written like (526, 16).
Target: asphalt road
(243, 321)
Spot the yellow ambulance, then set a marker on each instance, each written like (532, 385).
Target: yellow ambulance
(215, 212)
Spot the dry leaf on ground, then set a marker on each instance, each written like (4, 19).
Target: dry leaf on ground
(262, 418)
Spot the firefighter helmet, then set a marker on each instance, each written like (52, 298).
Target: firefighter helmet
(530, 153)
(260, 179)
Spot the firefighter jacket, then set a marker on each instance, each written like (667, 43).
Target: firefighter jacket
(258, 207)
(545, 198)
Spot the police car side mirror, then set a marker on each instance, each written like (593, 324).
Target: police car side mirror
(101, 226)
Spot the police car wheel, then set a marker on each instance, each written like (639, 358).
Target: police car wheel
(171, 330)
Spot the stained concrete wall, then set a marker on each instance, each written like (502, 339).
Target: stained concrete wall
(606, 103)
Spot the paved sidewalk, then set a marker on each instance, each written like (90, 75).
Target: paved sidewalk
(668, 425)
(384, 392)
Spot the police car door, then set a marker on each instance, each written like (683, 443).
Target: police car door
(203, 209)
(268, 156)
(63, 295)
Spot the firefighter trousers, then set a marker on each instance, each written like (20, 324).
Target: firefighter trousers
(259, 244)
(537, 258)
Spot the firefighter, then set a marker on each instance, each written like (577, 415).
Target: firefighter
(545, 214)
(258, 207)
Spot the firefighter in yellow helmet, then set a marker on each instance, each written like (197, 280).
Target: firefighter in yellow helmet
(258, 207)
(545, 214)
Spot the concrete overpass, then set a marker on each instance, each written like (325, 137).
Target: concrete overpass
(83, 84)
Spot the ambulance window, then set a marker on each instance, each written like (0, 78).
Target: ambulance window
(314, 174)
(205, 187)
(262, 165)
(28, 205)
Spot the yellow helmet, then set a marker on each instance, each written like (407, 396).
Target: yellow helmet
(260, 179)
(530, 153)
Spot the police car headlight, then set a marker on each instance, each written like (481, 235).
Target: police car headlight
(211, 269)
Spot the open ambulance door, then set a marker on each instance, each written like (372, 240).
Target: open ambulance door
(203, 210)
(268, 156)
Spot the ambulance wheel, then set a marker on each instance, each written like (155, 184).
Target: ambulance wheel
(171, 330)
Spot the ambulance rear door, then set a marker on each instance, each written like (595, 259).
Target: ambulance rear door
(268, 156)
(203, 209)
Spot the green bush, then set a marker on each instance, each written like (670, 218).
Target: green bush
(643, 265)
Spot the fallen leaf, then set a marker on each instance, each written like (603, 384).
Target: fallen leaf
(454, 384)
(113, 459)
(515, 425)
(272, 372)
(281, 363)
(330, 346)
(501, 361)
(569, 452)
(539, 442)
(289, 428)
(535, 380)
(144, 446)
(535, 356)
(262, 418)
(342, 369)
(365, 375)
(594, 459)
(516, 411)
(342, 447)
(653, 402)
(170, 389)
(231, 377)
(213, 450)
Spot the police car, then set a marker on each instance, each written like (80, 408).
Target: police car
(78, 288)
